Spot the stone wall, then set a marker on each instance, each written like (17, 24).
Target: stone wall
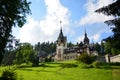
(115, 58)
(109, 58)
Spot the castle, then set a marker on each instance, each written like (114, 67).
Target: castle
(68, 53)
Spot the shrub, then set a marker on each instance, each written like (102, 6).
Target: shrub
(35, 60)
(9, 74)
(85, 58)
(96, 64)
(68, 65)
(85, 66)
(48, 59)
(115, 64)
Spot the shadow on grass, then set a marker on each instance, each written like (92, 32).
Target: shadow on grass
(40, 65)
(102, 66)
(110, 66)
(44, 70)
(54, 62)
(25, 69)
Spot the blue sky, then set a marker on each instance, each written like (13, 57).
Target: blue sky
(76, 16)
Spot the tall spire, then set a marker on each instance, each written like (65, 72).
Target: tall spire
(60, 26)
(85, 33)
(86, 40)
(61, 33)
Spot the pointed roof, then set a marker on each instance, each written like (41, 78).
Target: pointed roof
(86, 40)
(61, 37)
(60, 34)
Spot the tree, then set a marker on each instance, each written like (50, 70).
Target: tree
(113, 10)
(107, 47)
(97, 47)
(12, 13)
(34, 59)
(23, 53)
(85, 58)
(47, 47)
(70, 44)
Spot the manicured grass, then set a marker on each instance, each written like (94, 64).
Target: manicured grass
(53, 71)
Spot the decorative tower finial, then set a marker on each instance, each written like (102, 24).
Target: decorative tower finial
(61, 24)
(61, 27)
(60, 37)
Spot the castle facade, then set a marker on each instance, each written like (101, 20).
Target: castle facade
(68, 53)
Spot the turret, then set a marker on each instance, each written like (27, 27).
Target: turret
(86, 40)
(60, 46)
(86, 44)
(61, 38)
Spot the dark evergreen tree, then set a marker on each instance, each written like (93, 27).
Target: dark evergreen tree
(47, 47)
(12, 13)
(113, 10)
(97, 47)
(70, 44)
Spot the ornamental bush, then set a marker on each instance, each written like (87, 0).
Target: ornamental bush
(96, 64)
(85, 58)
(68, 65)
(9, 74)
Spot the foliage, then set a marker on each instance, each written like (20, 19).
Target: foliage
(97, 47)
(85, 58)
(9, 54)
(86, 66)
(114, 40)
(35, 60)
(9, 74)
(26, 54)
(107, 47)
(23, 53)
(12, 13)
(96, 64)
(68, 65)
(48, 59)
(47, 47)
(8, 58)
(115, 64)
(69, 44)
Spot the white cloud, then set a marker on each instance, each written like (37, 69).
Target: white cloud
(79, 39)
(95, 37)
(48, 28)
(92, 17)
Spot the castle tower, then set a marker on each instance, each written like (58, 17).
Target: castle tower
(86, 40)
(60, 46)
(86, 44)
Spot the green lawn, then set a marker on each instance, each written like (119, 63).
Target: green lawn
(52, 71)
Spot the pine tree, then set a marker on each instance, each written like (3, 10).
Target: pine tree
(113, 10)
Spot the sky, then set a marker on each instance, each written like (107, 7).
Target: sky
(76, 16)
